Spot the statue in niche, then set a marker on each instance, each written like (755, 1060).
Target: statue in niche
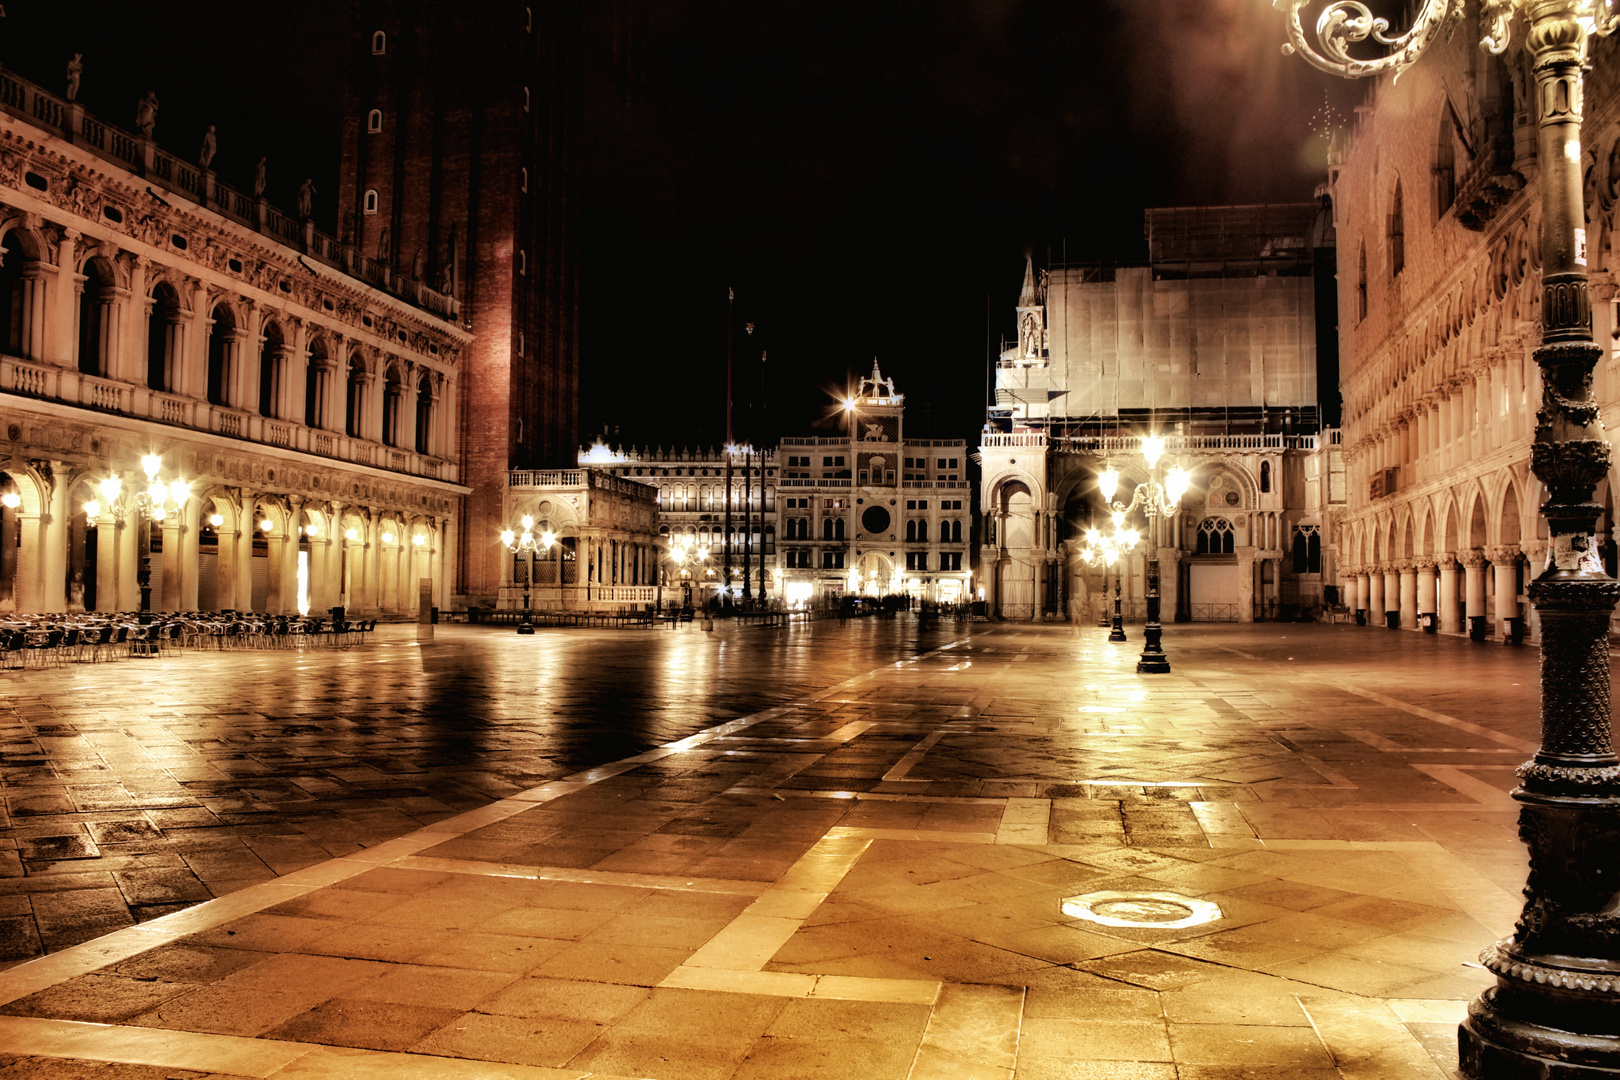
(306, 199)
(146, 111)
(261, 177)
(1031, 335)
(210, 146)
(75, 71)
(419, 264)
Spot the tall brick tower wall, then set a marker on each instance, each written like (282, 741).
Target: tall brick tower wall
(462, 117)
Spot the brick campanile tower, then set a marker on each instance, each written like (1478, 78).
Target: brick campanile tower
(460, 167)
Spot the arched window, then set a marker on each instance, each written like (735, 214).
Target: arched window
(16, 294)
(424, 414)
(922, 532)
(221, 347)
(1215, 536)
(315, 386)
(956, 532)
(271, 358)
(390, 403)
(162, 332)
(1397, 233)
(95, 311)
(1265, 476)
(354, 404)
(1307, 549)
(826, 528)
(838, 528)
(379, 43)
(374, 121)
(1445, 167)
(370, 204)
(911, 532)
(1361, 283)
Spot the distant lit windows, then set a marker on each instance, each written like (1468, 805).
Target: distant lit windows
(370, 203)
(523, 262)
(524, 181)
(374, 121)
(525, 99)
(528, 18)
(379, 43)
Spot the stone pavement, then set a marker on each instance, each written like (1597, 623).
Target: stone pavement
(863, 874)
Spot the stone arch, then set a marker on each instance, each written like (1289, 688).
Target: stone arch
(1509, 516)
(272, 367)
(22, 308)
(222, 351)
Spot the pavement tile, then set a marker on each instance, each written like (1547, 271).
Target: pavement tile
(374, 1025)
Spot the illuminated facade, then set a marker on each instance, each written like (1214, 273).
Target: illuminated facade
(1437, 210)
(868, 513)
(1216, 343)
(307, 396)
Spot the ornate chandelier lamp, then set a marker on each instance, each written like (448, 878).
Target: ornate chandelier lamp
(1157, 499)
(1107, 551)
(524, 543)
(1554, 1013)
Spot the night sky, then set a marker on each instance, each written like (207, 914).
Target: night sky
(867, 174)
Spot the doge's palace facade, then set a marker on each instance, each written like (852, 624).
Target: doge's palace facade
(1437, 213)
(306, 394)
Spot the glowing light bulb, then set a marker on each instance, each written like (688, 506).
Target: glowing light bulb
(11, 500)
(110, 488)
(92, 509)
(419, 540)
(388, 538)
(265, 525)
(1108, 483)
(528, 522)
(216, 520)
(150, 464)
(1152, 449)
(351, 534)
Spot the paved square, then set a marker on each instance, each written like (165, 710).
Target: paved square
(820, 852)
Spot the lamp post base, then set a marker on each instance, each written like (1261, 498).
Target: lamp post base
(1118, 631)
(1153, 661)
(525, 628)
(1492, 1044)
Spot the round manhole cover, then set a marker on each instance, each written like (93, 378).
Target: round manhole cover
(1151, 910)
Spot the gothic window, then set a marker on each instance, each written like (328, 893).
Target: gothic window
(370, 205)
(1445, 167)
(374, 121)
(379, 43)
(1307, 549)
(1361, 284)
(1397, 233)
(1215, 537)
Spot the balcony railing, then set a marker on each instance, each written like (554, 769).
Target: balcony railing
(72, 387)
(161, 169)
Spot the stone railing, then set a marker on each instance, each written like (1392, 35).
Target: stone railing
(185, 180)
(50, 383)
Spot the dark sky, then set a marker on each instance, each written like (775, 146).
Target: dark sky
(867, 174)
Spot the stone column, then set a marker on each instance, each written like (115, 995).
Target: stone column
(1409, 609)
(1245, 583)
(1392, 590)
(1473, 562)
(1375, 597)
(1360, 600)
(109, 526)
(170, 527)
(69, 283)
(231, 537)
(1505, 567)
(1425, 587)
(187, 556)
(1451, 621)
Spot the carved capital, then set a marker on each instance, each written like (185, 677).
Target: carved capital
(1502, 554)
(1473, 558)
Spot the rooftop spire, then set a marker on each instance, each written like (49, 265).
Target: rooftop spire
(1030, 295)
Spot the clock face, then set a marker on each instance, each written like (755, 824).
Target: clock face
(875, 519)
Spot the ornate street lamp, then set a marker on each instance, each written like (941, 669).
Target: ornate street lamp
(689, 558)
(155, 502)
(522, 544)
(1554, 1013)
(1157, 499)
(1108, 551)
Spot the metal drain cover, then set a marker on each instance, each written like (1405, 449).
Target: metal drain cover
(1150, 910)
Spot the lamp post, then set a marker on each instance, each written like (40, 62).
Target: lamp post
(1107, 551)
(155, 502)
(1157, 499)
(688, 557)
(1554, 1013)
(525, 543)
